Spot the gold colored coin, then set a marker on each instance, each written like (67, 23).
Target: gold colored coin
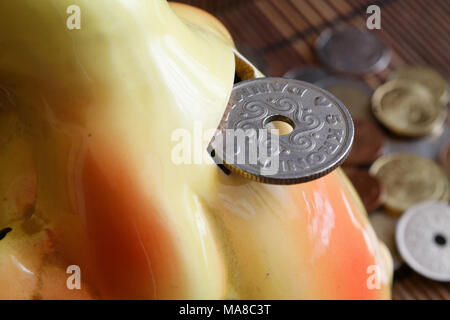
(427, 77)
(409, 179)
(407, 108)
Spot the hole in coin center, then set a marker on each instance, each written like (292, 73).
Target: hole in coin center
(440, 239)
(283, 124)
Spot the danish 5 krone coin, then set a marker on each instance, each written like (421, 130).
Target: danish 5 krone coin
(319, 140)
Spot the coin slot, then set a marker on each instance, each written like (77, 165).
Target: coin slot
(220, 165)
(4, 232)
(237, 79)
(283, 124)
(440, 239)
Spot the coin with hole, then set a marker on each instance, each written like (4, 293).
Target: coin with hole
(423, 239)
(315, 131)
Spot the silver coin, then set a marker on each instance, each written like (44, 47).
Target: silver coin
(384, 225)
(355, 95)
(423, 239)
(351, 50)
(320, 140)
(309, 74)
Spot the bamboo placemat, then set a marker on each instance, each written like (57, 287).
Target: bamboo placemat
(281, 33)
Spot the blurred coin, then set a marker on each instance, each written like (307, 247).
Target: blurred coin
(444, 158)
(423, 239)
(407, 108)
(427, 77)
(309, 74)
(368, 187)
(384, 225)
(368, 144)
(351, 50)
(409, 179)
(355, 95)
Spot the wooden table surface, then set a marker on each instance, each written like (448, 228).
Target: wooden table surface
(279, 35)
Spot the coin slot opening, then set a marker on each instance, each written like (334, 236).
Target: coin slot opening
(220, 165)
(4, 232)
(237, 79)
(440, 239)
(283, 124)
